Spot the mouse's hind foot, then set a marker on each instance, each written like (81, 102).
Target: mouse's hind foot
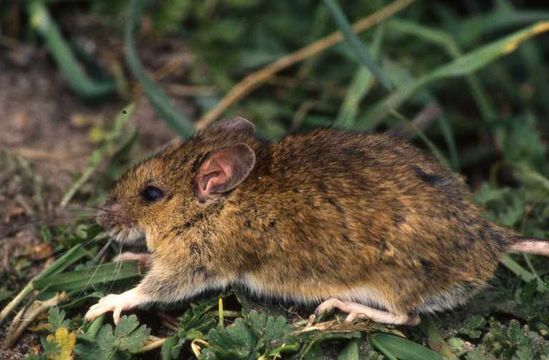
(359, 311)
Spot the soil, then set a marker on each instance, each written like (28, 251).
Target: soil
(44, 144)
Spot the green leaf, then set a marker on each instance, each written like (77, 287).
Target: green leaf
(312, 341)
(522, 142)
(472, 326)
(350, 351)
(128, 337)
(56, 319)
(166, 352)
(197, 320)
(234, 342)
(253, 336)
(395, 347)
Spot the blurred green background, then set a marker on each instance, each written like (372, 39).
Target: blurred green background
(466, 80)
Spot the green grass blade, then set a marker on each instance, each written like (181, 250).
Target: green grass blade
(464, 65)
(69, 258)
(84, 278)
(174, 118)
(395, 347)
(472, 29)
(448, 43)
(73, 73)
(355, 43)
(350, 351)
(436, 341)
(516, 268)
(359, 88)
(432, 147)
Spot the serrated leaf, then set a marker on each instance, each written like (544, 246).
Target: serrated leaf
(104, 343)
(233, 342)
(167, 350)
(129, 335)
(197, 320)
(514, 332)
(56, 319)
(472, 326)
(255, 335)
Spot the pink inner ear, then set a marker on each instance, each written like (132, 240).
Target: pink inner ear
(213, 173)
(223, 170)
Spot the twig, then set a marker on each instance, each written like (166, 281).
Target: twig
(421, 121)
(155, 344)
(169, 322)
(255, 79)
(37, 154)
(300, 114)
(189, 90)
(29, 316)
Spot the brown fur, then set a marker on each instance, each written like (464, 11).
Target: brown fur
(326, 214)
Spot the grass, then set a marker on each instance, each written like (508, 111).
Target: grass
(480, 66)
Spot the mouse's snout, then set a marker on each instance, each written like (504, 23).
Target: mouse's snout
(114, 220)
(109, 215)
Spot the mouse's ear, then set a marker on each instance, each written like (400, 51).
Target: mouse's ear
(238, 124)
(222, 170)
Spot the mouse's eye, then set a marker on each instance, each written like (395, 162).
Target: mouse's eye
(151, 194)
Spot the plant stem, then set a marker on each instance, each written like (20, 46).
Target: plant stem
(25, 318)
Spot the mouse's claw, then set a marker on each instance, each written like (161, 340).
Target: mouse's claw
(114, 303)
(360, 311)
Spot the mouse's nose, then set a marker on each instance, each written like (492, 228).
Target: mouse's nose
(108, 214)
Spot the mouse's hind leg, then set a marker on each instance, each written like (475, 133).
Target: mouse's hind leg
(359, 311)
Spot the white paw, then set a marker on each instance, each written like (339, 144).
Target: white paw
(114, 303)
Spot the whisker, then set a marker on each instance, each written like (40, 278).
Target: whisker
(100, 236)
(98, 256)
(117, 269)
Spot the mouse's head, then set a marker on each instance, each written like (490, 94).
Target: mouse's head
(169, 189)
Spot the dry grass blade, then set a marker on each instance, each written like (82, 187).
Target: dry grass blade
(27, 316)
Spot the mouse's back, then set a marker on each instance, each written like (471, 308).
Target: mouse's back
(356, 211)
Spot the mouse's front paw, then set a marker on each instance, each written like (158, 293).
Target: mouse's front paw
(143, 259)
(114, 303)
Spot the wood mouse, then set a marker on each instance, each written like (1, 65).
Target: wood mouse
(365, 223)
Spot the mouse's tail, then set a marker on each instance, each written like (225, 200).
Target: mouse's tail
(528, 245)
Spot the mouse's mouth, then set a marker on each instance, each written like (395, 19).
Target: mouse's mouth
(127, 235)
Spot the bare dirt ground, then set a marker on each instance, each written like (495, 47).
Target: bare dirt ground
(44, 144)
